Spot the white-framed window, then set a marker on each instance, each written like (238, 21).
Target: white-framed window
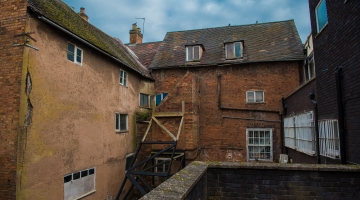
(129, 159)
(259, 144)
(299, 133)
(321, 15)
(255, 96)
(193, 53)
(329, 138)
(162, 168)
(123, 77)
(74, 54)
(144, 100)
(234, 50)
(79, 184)
(309, 69)
(160, 97)
(121, 122)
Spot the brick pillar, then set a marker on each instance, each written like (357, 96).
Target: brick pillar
(12, 22)
(135, 35)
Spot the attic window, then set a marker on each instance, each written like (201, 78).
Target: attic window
(74, 54)
(193, 53)
(234, 50)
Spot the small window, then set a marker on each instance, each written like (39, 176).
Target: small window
(144, 100)
(309, 69)
(121, 122)
(193, 53)
(233, 50)
(79, 184)
(74, 54)
(160, 97)
(129, 160)
(259, 144)
(123, 78)
(255, 96)
(162, 168)
(321, 15)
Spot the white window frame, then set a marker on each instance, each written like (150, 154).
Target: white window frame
(329, 138)
(309, 70)
(248, 145)
(148, 100)
(123, 78)
(254, 92)
(119, 128)
(160, 159)
(80, 187)
(241, 50)
(193, 52)
(299, 133)
(318, 28)
(75, 54)
(162, 97)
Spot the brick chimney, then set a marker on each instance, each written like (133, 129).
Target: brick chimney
(135, 35)
(83, 15)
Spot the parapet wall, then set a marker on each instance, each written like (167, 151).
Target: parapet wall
(222, 180)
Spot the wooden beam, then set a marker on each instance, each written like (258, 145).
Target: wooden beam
(164, 128)
(168, 114)
(180, 127)
(147, 130)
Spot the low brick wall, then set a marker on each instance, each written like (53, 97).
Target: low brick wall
(231, 180)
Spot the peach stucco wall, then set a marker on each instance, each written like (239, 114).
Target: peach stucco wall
(72, 126)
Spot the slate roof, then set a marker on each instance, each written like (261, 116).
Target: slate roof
(145, 51)
(274, 41)
(62, 15)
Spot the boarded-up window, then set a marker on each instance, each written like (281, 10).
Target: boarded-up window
(79, 184)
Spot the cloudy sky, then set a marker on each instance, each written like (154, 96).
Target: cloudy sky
(115, 17)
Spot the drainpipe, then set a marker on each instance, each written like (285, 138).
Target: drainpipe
(312, 97)
(338, 74)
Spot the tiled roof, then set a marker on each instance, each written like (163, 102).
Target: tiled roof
(62, 15)
(145, 51)
(274, 41)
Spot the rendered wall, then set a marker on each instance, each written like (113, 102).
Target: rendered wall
(72, 126)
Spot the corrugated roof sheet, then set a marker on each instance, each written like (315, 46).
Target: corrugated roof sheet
(145, 51)
(274, 41)
(64, 16)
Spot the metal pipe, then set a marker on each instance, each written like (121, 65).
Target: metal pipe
(338, 74)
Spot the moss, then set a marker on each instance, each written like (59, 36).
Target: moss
(143, 115)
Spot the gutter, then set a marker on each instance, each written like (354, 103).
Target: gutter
(338, 74)
(88, 43)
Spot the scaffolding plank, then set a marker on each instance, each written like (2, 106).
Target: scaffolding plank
(165, 129)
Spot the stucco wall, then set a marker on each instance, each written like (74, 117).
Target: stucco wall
(72, 126)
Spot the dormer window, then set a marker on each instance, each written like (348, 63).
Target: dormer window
(193, 53)
(234, 50)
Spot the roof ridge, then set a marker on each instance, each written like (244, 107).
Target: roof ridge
(232, 26)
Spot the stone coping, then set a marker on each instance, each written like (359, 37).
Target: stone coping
(181, 184)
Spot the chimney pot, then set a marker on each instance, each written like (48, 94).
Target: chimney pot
(82, 10)
(135, 35)
(82, 14)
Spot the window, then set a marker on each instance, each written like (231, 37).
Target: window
(321, 15)
(259, 144)
(129, 160)
(160, 97)
(309, 69)
(329, 138)
(144, 100)
(255, 96)
(233, 50)
(193, 53)
(123, 78)
(162, 167)
(74, 54)
(299, 133)
(79, 184)
(121, 122)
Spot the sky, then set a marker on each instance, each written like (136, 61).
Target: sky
(115, 17)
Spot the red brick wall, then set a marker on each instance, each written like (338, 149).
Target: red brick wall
(219, 132)
(12, 22)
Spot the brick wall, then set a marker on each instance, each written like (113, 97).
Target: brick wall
(12, 22)
(336, 45)
(221, 133)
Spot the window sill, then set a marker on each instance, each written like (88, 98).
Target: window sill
(317, 34)
(125, 131)
(255, 102)
(80, 64)
(145, 107)
(193, 61)
(239, 58)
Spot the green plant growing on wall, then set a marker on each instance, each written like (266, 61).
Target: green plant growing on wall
(143, 115)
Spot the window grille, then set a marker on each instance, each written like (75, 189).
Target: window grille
(329, 138)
